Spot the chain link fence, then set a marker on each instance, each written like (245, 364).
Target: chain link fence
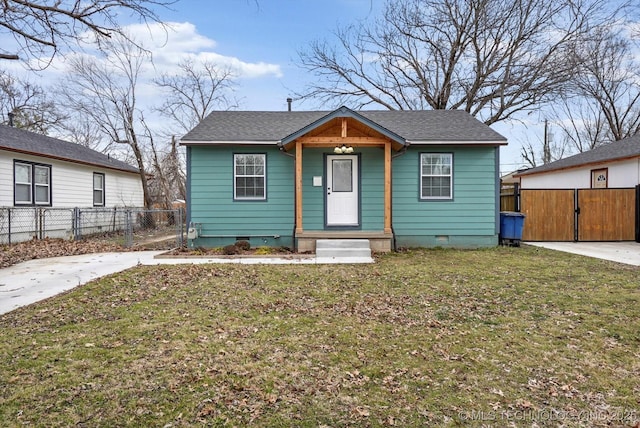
(126, 226)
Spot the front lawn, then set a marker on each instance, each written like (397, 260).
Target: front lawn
(499, 337)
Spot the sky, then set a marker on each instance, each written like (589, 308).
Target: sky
(261, 39)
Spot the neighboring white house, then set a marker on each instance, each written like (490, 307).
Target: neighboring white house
(51, 188)
(40, 171)
(613, 165)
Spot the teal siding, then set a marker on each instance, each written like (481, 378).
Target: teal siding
(372, 189)
(468, 220)
(220, 218)
(313, 197)
(371, 169)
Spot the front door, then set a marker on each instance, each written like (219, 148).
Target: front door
(342, 190)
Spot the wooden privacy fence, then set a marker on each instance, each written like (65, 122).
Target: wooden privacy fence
(581, 214)
(549, 215)
(509, 197)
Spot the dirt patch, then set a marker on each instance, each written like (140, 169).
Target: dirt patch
(12, 254)
(219, 252)
(39, 249)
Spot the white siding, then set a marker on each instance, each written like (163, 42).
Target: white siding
(72, 183)
(122, 189)
(620, 174)
(6, 179)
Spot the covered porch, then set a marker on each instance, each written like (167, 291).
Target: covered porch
(338, 138)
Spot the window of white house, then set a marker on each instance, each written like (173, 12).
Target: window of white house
(98, 189)
(599, 178)
(436, 176)
(249, 176)
(32, 183)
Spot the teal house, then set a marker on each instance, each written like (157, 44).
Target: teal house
(396, 178)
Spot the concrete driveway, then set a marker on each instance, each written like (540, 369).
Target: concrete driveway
(621, 252)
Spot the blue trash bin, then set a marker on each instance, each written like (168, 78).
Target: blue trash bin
(511, 225)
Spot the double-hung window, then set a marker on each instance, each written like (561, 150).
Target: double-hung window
(249, 176)
(31, 183)
(436, 176)
(98, 189)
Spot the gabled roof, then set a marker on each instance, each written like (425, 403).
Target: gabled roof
(344, 112)
(413, 126)
(615, 151)
(21, 141)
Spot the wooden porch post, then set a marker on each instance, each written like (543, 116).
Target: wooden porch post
(387, 187)
(298, 187)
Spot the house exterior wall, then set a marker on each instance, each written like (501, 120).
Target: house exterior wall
(371, 178)
(468, 220)
(72, 183)
(620, 174)
(219, 219)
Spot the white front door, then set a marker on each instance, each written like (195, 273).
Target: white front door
(342, 190)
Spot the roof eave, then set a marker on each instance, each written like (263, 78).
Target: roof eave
(228, 142)
(581, 165)
(459, 142)
(60, 158)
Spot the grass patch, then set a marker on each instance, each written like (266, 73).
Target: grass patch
(527, 337)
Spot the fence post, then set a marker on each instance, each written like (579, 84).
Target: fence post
(113, 223)
(516, 197)
(576, 215)
(638, 213)
(9, 221)
(75, 224)
(180, 227)
(39, 222)
(128, 230)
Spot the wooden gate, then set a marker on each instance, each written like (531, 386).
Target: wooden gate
(580, 214)
(549, 214)
(606, 214)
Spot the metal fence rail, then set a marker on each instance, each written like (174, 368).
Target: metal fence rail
(18, 224)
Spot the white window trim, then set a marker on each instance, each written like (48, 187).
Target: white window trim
(37, 185)
(20, 183)
(264, 177)
(33, 185)
(450, 176)
(101, 190)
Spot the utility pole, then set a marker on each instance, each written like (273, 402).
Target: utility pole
(546, 149)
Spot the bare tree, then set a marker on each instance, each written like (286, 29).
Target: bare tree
(604, 105)
(195, 91)
(84, 131)
(104, 90)
(492, 58)
(169, 180)
(41, 29)
(32, 108)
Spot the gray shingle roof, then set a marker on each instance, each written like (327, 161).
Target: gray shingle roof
(22, 141)
(412, 125)
(627, 148)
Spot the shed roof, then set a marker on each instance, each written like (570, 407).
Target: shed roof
(617, 150)
(19, 140)
(414, 126)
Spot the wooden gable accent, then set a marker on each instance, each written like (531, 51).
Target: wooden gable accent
(346, 131)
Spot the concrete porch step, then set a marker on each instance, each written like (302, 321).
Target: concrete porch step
(352, 249)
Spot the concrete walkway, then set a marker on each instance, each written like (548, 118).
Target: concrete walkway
(35, 280)
(621, 252)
